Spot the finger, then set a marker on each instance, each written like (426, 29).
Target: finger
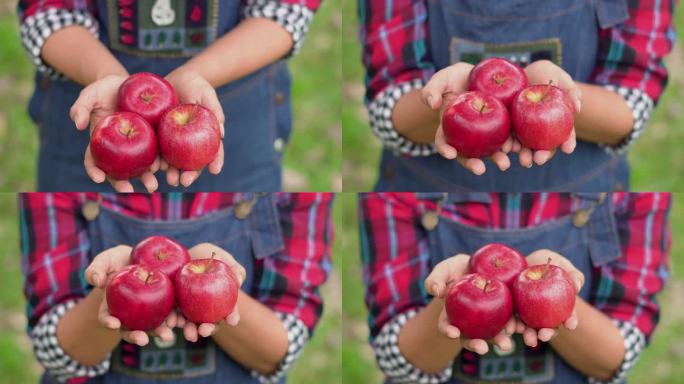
(122, 186)
(444, 149)
(453, 79)
(525, 157)
(105, 262)
(447, 329)
(542, 156)
(163, 165)
(95, 173)
(530, 337)
(577, 278)
(444, 272)
(211, 101)
(188, 177)
(180, 320)
(478, 346)
(136, 337)
(164, 332)
(546, 334)
(234, 318)
(519, 326)
(82, 107)
(501, 160)
(190, 331)
(569, 145)
(149, 181)
(503, 342)
(155, 165)
(105, 318)
(509, 329)
(476, 166)
(517, 147)
(507, 145)
(216, 165)
(171, 320)
(172, 176)
(572, 322)
(206, 329)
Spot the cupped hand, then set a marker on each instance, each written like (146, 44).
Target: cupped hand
(191, 331)
(437, 284)
(438, 93)
(94, 103)
(192, 88)
(98, 274)
(543, 256)
(546, 72)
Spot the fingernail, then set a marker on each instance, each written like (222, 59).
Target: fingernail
(429, 101)
(435, 289)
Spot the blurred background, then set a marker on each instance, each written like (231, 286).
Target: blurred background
(661, 362)
(657, 158)
(312, 160)
(319, 363)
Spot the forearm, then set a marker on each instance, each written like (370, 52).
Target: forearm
(259, 342)
(81, 335)
(414, 120)
(600, 363)
(604, 117)
(421, 343)
(253, 44)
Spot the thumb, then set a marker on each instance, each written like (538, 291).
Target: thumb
(106, 262)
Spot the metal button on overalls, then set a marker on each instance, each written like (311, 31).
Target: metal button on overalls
(580, 218)
(279, 98)
(90, 210)
(429, 220)
(243, 209)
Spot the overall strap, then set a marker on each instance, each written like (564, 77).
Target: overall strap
(593, 212)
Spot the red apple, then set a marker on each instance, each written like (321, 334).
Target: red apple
(497, 77)
(476, 124)
(123, 145)
(498, 261)
(189, 137)
(542, 116)
(544, 296)
(206, 290)
(160, 253)
(479, 306)
(140, 298)
(148, 95)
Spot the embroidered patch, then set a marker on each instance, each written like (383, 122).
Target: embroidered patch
(520, 53)
(162, 28)
(159, 360)
(529, 365)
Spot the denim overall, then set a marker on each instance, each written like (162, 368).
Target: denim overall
(588, 238)
(158, 36)
(523, 31)
(249, 230)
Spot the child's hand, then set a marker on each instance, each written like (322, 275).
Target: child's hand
(442, 88)
(95, 102)
(193, 88)
(531, 335)
(543, 72)
(99, 273)
(437, 283)
(203, 251)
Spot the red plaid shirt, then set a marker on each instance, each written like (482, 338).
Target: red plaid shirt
(395, 39)
(56, 253)
(396, 258)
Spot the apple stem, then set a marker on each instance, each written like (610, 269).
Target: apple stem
(212, 255)
(482, 107)
(484, 289)
(546, 267)
(149, 274)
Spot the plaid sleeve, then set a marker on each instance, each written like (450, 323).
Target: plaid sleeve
(627, 288)
(54, 247)
(288, 281)
(394, 36)
(630, 59)
(395, 256)
(41, 18)
(293, 15)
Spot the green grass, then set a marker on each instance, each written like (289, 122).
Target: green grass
(656, 159)
(312, 160)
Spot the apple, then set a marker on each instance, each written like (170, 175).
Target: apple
(544, 296)
(189, 137)
(148, 95)
(479, 306)
(140, 298)
(123, 145)
(160, 253)
(497, 77)
(498, 261)
(476, 124)
(542, 116)
(206, 290)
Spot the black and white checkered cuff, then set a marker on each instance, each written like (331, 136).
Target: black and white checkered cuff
(634, 341)
(642, 106)
(393, 364)
(297, 336)
(36, 29)
(48, 352)
(295, 18)
(380, 113)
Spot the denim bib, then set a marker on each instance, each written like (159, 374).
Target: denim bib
(158, 36)
(587, 237)
(523, 31)
(249, 231)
